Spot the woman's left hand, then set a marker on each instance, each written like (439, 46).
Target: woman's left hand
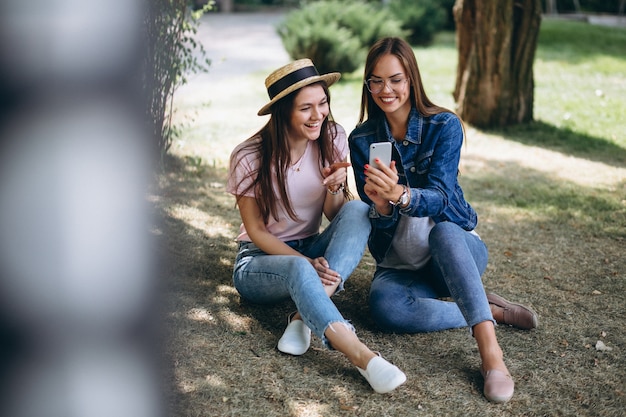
(382, 182)
(327, 275)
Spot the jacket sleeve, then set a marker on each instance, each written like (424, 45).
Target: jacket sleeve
(439, 172)
(383, 227)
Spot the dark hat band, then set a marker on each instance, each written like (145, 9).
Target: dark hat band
(291, 79)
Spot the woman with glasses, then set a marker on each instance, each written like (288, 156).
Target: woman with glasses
(423, 236)
(285, 178)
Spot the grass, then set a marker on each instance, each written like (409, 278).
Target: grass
(551, 199)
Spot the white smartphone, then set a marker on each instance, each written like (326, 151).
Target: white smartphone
(382, 151)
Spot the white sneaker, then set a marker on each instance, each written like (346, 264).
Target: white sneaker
(382, 375)
(296, 339)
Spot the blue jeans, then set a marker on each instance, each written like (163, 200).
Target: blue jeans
(262, 278)
(407, 301)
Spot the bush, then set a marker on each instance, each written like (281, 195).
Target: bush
(594, 6)
(336, 35)
(171, 55)
(422, 19)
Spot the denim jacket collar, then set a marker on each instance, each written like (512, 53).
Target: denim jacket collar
(414, 128)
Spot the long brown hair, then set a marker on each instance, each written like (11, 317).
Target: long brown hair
(402, 50)
(274, 158)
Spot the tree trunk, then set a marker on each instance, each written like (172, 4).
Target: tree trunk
(551, 7)
(496, 40)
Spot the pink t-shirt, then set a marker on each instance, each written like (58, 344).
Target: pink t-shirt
(304, 188)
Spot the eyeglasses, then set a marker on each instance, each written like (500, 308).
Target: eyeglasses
(376, 85)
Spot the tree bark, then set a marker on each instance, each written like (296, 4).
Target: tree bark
(496, 40)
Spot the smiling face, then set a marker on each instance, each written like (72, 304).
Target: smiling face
(310, 108)
(396, 93)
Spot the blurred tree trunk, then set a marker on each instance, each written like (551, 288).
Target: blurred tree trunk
(496, 41)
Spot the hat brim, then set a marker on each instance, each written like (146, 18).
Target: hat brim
(329, 78)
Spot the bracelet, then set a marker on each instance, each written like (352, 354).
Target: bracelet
(339, 189)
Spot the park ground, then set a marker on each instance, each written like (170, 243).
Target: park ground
(547, 253)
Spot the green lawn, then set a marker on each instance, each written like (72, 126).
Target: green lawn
(580, 88)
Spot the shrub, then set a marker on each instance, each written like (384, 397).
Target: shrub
(171, 55)
(422, 19)
(336, 35)
(594, 6)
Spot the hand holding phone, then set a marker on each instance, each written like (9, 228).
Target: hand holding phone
(382, 151)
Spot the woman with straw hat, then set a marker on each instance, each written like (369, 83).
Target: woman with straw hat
(284, 178)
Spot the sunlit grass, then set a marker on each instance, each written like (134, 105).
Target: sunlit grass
(580, 79)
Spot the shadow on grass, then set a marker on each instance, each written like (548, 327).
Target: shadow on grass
(549, 200)
(566, 141)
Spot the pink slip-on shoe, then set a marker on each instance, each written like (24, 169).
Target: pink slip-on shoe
(513, 314)
(499, 385)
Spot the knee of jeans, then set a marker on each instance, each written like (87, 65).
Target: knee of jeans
(443, 232)
(443, 228)
(357, 209)
(296, 264)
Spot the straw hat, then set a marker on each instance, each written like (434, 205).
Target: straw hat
(291, 77)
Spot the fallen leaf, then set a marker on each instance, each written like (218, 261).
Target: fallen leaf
(349, 407)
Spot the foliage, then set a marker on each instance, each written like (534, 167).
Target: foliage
(596, 6)
(171, 55)
(421, 18)
(336, 35)
(447, 6)
(265, 3)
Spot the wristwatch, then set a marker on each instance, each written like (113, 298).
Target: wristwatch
(403, 200)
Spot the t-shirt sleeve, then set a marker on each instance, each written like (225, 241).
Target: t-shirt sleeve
(239, 175)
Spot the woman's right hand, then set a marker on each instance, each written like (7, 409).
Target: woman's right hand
(327, 275)
(380, 184)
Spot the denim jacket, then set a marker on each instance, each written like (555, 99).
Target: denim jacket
(427, 160)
